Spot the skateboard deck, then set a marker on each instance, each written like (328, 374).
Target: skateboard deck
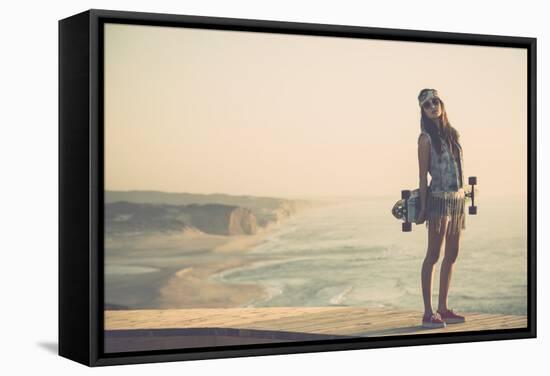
(408, 207)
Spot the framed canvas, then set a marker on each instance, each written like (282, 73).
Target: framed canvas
(239, 187)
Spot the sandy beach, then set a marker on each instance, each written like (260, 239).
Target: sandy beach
(174, 270)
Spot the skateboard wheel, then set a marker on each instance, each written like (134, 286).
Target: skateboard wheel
(406, 226)
(472, 180)
(397, 213)
(472, 210)
(405, 194)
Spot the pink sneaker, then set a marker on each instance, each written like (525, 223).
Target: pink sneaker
(450, 317)
(433, 321)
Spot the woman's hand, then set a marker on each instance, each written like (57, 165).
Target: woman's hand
(421, 216)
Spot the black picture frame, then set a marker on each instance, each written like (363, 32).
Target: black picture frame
(81, 186)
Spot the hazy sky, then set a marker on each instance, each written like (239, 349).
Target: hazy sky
(205, 111)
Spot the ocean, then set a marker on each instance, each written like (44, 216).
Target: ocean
(354, 254)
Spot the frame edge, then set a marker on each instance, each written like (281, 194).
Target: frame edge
(74, 220)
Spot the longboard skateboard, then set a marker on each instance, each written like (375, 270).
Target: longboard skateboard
(408, 207)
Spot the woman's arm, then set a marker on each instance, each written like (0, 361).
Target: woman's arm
(423, 166)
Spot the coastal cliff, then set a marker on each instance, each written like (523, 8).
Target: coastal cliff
(149, 211)
(127, 217)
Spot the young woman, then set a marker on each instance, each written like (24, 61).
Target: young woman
(442, 202)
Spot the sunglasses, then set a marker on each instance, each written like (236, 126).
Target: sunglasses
(431, 102)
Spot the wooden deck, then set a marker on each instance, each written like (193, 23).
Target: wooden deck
(341, 321)
(145, 330)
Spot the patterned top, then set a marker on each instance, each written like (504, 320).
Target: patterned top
(445, 171)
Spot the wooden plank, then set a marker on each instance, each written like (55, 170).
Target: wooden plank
(315, 323)
(353, 321)
(204, 317)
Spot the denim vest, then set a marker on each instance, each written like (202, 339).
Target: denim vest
(446, 174)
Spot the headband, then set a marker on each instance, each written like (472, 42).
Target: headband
(427, 95)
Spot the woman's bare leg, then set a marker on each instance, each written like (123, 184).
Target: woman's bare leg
(452, 244)
(435, 242)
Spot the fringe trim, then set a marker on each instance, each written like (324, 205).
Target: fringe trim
(446, 204)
